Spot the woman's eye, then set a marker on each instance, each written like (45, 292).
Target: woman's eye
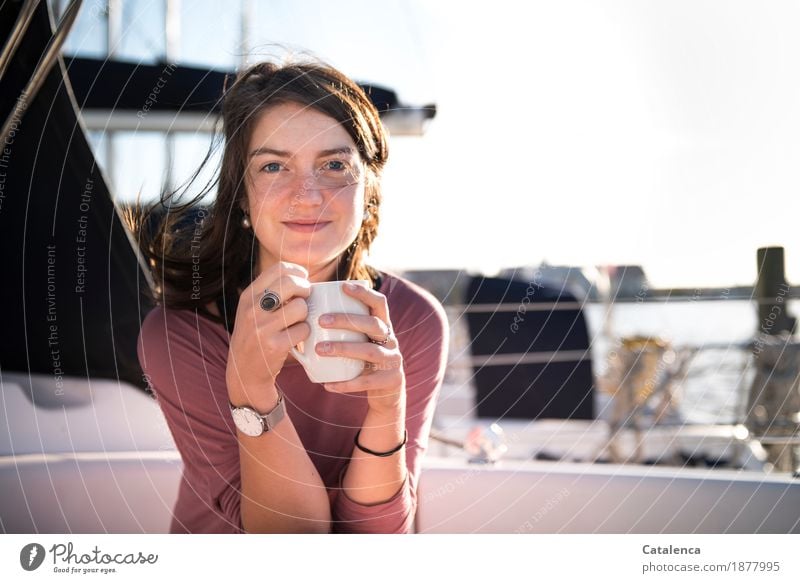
(271, 167)
(336, 165)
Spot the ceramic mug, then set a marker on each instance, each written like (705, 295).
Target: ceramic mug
(328, 298)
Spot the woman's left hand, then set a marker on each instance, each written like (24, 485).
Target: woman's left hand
(383, 378)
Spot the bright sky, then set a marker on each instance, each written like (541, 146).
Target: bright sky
(660, 133)
(578, 132)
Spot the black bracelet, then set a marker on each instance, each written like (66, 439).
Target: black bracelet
(381, 454)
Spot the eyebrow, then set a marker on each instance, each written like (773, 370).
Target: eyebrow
(284, 154)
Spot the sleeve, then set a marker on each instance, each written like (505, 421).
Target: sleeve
(185, 365)
(424, 349)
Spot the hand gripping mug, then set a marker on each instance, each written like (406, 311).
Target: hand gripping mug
(327, 298)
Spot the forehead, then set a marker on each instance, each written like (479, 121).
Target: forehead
(294, 127)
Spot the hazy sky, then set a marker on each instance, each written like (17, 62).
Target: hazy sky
(659, 133)
(664, 133)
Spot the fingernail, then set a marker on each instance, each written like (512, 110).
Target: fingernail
(326, 319)
(351, 286)
(324, 347)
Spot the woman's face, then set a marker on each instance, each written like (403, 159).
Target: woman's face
(305, 188)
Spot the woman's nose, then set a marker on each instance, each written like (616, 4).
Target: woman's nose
(305, 186)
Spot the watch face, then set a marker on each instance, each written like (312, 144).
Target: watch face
(247, 421)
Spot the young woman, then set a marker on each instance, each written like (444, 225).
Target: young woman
(298, 198)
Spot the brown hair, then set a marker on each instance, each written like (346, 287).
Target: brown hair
(198, 257)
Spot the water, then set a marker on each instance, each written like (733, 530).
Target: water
(683, 322)
(717, 382)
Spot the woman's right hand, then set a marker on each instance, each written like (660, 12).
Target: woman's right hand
(261, 340)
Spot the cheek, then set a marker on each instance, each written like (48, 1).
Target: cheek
(263, 203)
(258, 189)
(350, 208)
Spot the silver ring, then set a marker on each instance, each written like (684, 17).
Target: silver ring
(270, 301)
(384, 341)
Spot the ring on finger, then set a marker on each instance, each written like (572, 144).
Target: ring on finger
(270, 301)
(385, 340)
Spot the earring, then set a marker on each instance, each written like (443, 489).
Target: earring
(367, 215)
(246, 221)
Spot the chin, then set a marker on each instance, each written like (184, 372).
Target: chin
(309, 254)
(310, 262)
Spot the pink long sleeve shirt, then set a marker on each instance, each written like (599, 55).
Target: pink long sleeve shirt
(185, 354)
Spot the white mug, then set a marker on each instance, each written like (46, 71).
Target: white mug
(327, 298)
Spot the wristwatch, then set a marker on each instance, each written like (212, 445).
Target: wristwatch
(252, 423)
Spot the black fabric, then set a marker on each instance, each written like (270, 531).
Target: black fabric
(559, 390)
(120, 85)
(56, 218)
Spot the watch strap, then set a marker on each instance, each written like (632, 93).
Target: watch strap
(275, 416)
(270, 419)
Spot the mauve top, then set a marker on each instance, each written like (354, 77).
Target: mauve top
(184, 356)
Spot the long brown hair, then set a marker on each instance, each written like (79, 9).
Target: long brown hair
(200, 256)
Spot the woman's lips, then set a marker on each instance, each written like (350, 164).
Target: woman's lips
(307, 227)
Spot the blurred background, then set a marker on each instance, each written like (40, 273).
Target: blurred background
(603, 196)
(577, 133)
(633, 153)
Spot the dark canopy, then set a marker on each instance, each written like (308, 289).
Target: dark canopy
(71, 295)
(530, 346)
(118, 85)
